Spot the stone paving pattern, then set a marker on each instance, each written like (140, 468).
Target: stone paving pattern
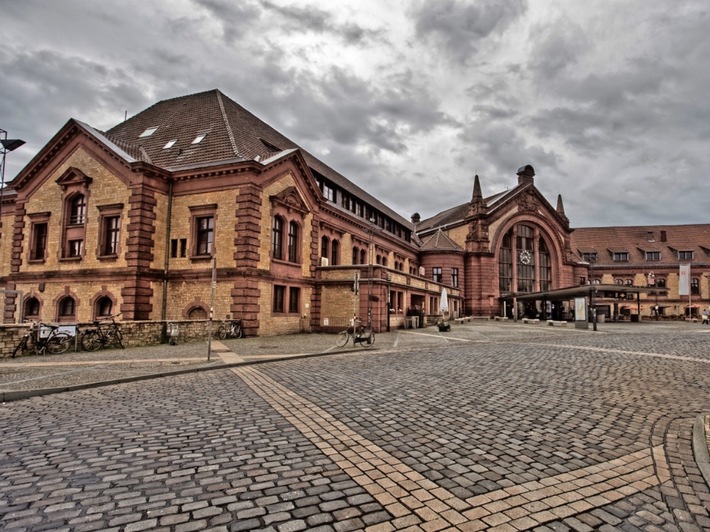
(488, 427)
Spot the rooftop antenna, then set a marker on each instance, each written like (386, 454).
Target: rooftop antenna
(125, 115)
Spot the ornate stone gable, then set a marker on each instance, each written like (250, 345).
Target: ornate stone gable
(291, 200)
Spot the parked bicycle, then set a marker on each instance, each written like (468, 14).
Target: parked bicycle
(360, 334)
(230, 329)
(43, 338)
(106, 332)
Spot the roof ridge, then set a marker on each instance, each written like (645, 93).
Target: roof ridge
(230, 133)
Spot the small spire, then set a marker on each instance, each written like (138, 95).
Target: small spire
(477, 195)
(560, 207)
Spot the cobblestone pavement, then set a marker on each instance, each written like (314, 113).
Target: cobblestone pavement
(488, 427)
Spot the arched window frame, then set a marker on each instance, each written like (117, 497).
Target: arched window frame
(525, 259)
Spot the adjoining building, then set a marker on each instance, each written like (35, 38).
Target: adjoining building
(195, 204)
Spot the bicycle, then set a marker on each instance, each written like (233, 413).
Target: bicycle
(103, 334)
(360, 335)
(230, 329)
(43, 338)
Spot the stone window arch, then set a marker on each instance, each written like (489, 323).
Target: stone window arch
(66, 309)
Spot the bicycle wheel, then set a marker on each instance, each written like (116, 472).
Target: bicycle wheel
(238, 332)
(371, 340)
(22, 347)
(119, 338)
(342, 339)
(90, 341)
(222, 332)
(58, 344)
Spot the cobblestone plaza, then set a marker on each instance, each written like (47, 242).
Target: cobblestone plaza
(491, 426)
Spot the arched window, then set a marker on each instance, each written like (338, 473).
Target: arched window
(293, 241)
(660, 282)
(277, 238)
(524, 261)
(334, 252)
(103, 306)
(197, 313)
(363, 257)
(356, 254)
(66, 309)
(324, 246)
(31, 309)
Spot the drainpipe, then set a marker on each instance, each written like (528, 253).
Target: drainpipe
(166, 267)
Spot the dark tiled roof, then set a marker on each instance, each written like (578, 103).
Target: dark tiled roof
(637, 240)
(232, 133)
(440, 241)
(454, 214)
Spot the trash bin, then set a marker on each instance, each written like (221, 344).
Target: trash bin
(634, 318)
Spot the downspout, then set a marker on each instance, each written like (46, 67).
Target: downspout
(166, 267)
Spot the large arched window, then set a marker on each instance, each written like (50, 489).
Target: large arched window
(524, 261)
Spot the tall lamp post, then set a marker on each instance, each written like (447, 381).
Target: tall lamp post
(593, 291)
(8, 145)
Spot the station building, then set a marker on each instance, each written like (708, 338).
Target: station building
(195, 205)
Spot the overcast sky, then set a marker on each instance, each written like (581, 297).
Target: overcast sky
(608, 100)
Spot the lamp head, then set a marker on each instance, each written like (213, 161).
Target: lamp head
(11, 144)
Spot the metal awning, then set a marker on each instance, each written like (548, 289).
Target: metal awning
(565, 294)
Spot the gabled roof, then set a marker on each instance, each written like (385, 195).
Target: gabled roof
(230, 133)
(454, 214)
(638, 240)
(440, 241)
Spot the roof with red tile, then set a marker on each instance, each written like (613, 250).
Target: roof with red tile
(668, 240)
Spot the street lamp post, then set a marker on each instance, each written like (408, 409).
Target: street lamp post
(8, 145)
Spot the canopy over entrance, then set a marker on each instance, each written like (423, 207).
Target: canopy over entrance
(598, 290)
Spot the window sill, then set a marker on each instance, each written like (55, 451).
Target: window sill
(286, 262)
(36, 261)
(201, 258)
(70, 259)
(107, 257)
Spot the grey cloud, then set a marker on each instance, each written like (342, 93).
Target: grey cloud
(459, 25)
(234, 17)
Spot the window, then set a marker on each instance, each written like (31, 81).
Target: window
(174, 253)
(31, 309)
(455, 277)
(75, 248)
(38, 242)
(103, 306)
(436, 274)
(685, 255)
(695, 286)
(66, 309)
(110, 232)
(204, 237)
(620, 256)
(77, 210)
(324, 246)
(279, 292)
(525, 247)
(660, 282)
(199, 138)
(294, 300)
(356, 254)
(148, 132)
(629, 282)
(329, 192)
(170, 144)
(334, 253)
(293, 242)
(546, 266)
(277, 235)
(590, 256)
(653, 255)
(505, 263)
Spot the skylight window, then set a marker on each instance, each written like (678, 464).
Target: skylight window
(199, 138)
(170, 144)
(148, 132)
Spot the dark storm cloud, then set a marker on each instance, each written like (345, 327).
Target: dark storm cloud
(459, 26)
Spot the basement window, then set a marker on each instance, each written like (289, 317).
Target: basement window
(148, 132)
